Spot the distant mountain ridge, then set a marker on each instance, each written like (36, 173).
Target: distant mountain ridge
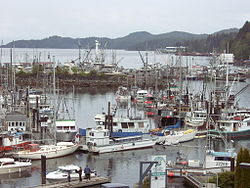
(134, 41)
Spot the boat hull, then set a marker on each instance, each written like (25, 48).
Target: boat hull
(147, 143)
(55, 153)
(22, 166)
(14, 147)
(55, 176)
(244, 134)
(176, 139)
(65, 136)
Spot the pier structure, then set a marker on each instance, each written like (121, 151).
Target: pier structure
(94, 182)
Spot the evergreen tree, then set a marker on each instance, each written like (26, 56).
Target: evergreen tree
(242, 174)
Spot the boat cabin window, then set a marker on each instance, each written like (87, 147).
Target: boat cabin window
(222, 158)
(131, 125)
(114, 124)
(6, 163)
(149, 98)
(124, 125)
(141, 124)
(248, 123)
(72, 127)
(59, 127)
(106, 134)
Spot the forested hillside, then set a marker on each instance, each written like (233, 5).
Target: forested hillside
(240, 45)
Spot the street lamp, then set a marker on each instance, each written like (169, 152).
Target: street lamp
(217, 177)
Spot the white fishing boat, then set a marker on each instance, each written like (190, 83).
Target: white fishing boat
(50, 151)
(9, 165)
(196, 118)
(220, 160)
(98, 140)
(63, 172)
(214, 162)
(125, 124)
(235, 128)
(122, 94)
(65, 130)
(140, 94)
(174, 137)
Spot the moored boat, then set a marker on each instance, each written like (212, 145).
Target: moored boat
(50, 151)
(65, 130)
(98, 140)
(175, 137)
(232, 128)
(63, 172)
(125, 126)
(9, 165)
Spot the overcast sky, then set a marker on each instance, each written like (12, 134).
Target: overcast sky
(37, 19)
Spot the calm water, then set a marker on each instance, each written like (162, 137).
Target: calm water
(123, 166)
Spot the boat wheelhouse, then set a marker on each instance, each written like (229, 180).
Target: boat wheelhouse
(65, 130)
(196, 118)
(125, 124)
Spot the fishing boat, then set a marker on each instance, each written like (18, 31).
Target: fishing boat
(9, 165)
(63, 171)
(65, 130)
(35, 151)
(125, 126)
(122, 94)
(175, 137)
(98, 140)
(196, 118)
(235, 128)
(13, 141)
(140, 94)
(214, 162)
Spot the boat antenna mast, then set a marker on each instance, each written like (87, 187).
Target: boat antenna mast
(54, 96)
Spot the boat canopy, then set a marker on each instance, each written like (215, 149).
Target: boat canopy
(6, 160)
(69, 168)
(177, 125)
(223, 154)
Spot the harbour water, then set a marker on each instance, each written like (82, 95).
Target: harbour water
(122, 166)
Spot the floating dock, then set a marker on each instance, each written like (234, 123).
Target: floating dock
(75, 183)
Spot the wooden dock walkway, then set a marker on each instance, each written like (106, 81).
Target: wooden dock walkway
(75, 183)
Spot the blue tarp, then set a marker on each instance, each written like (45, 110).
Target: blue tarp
(82, 132)
(177, 125)
(125, 134)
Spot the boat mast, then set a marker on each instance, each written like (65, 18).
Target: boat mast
(74, 117)
(54, 96)
(1, 67)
